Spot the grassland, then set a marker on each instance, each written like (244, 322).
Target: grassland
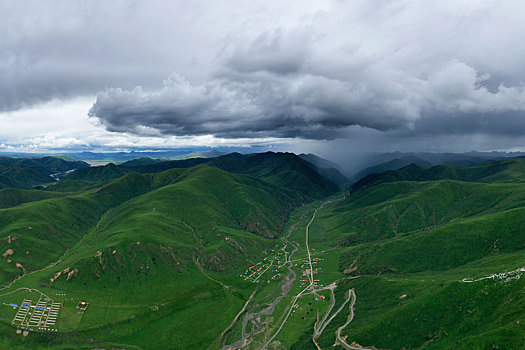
(26, 173)
(406, 248)
(151, 253)
(162, 258)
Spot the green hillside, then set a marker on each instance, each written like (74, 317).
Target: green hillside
(246, 250)
(149, 240)
(29, 172)
(281, 169)
(142, 161)
(391, 209)
(508, 170)
(11, 197)
(406, 247)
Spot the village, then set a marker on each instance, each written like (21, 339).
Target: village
(40, 315)
(275, 261)
(36, 316)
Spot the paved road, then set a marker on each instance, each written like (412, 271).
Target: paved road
(311, 275)
(342, 342)
(319, 328)
(311, 278)
(287, 286)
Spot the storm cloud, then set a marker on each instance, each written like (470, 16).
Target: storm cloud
(303, 70)
(64, 49)
(397, 66)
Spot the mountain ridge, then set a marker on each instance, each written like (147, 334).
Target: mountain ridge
(508, 170)
(270, 166)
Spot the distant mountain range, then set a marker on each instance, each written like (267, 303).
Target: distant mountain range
(379, 162)
(346, 171)
(280, 168)
(118, 157)
(508, 170)
(29, 172)
(284, 169)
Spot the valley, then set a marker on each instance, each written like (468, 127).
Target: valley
(200, 257)
(262, 175)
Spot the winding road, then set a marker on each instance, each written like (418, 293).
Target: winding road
(310, 277)
(342, 342)
(309, 289)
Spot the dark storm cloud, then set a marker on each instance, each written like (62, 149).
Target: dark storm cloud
(265, 101)
(71, 48)
(234, 107)
(278, 52)
(509, 124)
(296, 69)
(384, 67)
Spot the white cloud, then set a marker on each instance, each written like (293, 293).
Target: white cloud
(62, 125)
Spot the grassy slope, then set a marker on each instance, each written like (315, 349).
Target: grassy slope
(438, 311)
(11, 197)
(138, 265)
(509, 170)
(28, 172)
(392, 209)
(421, 239)
(281, 169)
(137, 262)
(40, 232)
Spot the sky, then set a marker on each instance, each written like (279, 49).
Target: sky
(329, 77)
